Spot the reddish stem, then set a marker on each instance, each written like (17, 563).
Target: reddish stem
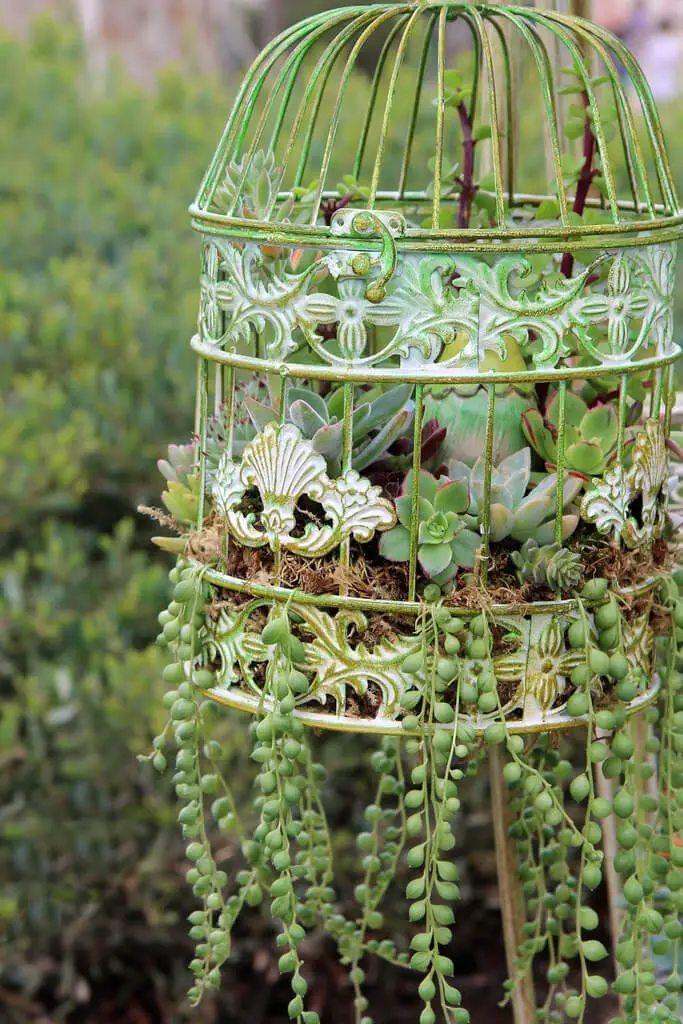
(329, 208)
(584, 183)
(468, 189)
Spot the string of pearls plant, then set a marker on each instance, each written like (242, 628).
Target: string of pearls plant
(288, 856)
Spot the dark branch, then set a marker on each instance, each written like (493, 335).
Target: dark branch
(331, 206)
(585, 181)
(468, 189)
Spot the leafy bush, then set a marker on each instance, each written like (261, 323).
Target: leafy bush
(95, 313)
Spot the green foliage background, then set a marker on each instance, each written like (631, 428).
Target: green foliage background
(98, 296)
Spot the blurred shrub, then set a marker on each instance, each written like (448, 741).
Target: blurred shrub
(95, 314)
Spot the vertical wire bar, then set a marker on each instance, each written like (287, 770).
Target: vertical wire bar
(658, 393)
(202, 410)
(485, 548)
(561, 450)
(316, 89)
(282, 397)
(347, 461)
(511, 93)
(217, 389)
(550, 101)
(670, 400)
(650, 115)
(630, 137)
(240, 116)
(198, 406)
(272, 102)
(303, 52)
(621, 427)
(635, 164)
(229, 392)
(372, 98)
(418, 96)
(569, 32)
(282, 409)
(391, 93)
(440, 116)
(377, 22)
(415, 491)
(493, 111)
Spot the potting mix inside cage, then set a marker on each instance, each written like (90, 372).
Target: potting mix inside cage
(427, 493)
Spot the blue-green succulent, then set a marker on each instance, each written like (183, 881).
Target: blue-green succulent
(514, 513)
(445, 540)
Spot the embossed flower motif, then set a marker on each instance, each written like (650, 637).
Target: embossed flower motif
(540, 665)
(622, 304)
(352, 312)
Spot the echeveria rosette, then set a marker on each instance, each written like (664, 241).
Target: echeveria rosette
(548, 564)
(514, 513)
(445, 543)
(590, 435)
(181, 496)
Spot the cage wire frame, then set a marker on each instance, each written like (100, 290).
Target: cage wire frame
(294, 104)
(374, 239)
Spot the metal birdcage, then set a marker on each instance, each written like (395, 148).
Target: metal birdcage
(390, 255)
(427, 497)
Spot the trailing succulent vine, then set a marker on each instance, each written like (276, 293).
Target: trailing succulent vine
(452, 681)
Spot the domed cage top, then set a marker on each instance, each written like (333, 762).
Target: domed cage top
(436, 356)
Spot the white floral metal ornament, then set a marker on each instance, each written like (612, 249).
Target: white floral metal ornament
(540, 667)
(611, 504)
(282, 468)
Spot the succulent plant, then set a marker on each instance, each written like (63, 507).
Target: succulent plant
(379, 419)
(256, 186)
(463, 410)
(182, 482)
(591, 434)
(512, 513)
(549, 564)
(390, 468)
(445, 542)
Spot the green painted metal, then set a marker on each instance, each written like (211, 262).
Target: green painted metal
(483, 292)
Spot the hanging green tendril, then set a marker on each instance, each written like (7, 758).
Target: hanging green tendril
(627, 786)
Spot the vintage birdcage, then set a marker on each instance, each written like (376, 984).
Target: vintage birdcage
(427, 496)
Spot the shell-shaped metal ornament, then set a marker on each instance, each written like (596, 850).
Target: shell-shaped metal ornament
(282, 468)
